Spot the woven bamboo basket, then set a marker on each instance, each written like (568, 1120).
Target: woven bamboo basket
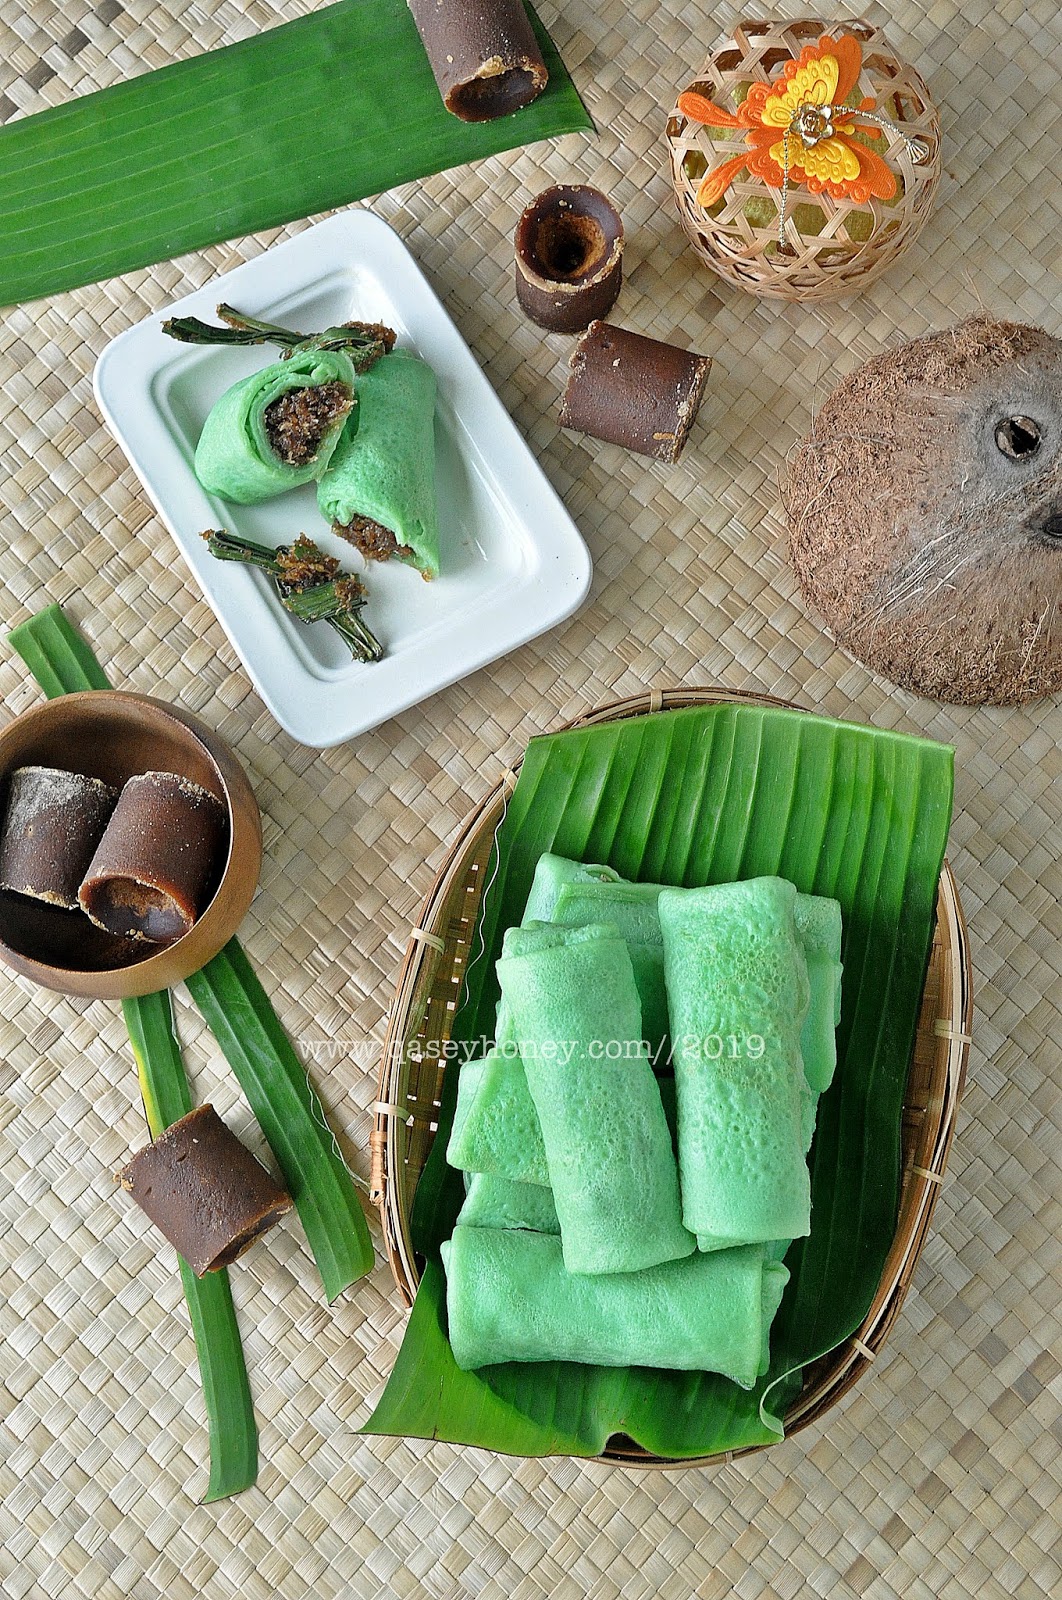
(429, 988)
(833, 246)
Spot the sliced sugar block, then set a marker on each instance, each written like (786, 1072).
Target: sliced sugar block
(496, 1127)
(577, 1018)
(738, 988)
(493, 1202)
(510, 1297)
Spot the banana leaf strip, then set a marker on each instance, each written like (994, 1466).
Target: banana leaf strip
(692, 797)
(303, 118)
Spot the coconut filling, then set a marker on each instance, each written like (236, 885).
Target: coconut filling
(375, 542)
(296, 422)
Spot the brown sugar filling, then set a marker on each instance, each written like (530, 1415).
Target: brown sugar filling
(375, 542)
(296, 422)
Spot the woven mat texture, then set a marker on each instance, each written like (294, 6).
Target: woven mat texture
(940, 1475)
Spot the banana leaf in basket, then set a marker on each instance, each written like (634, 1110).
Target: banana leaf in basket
(696, 796)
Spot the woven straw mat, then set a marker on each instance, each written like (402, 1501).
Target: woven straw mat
(939, 1476)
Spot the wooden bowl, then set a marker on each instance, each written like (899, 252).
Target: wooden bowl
(412, 1069)
(112, 735)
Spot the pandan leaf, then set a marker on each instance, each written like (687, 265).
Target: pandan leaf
(303, 118)
(226, 1390)
(238, 1012)
(691, 797)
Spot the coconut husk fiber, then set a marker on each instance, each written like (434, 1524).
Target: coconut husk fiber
(925, 513)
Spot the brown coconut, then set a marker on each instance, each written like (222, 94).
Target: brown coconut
(925, 514)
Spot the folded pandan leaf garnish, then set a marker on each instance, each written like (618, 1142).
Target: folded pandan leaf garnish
(310, 584)
(364, 342)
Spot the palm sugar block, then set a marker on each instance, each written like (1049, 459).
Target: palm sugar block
(157, 864)
(204, 1190)
(52, 823)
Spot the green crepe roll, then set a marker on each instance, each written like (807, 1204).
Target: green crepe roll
(379, 490)
(553, 875)
(818, 926)
(577, 1019)
(248, 452)
(738, 988)
(493, 1202)
(496, 1128)
(510, 1297)
(632, 909)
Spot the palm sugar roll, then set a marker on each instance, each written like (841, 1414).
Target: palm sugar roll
(52, 822)
(632, 391)
(483, 54)
(159, 860)
(569, 258)
(204, 1190)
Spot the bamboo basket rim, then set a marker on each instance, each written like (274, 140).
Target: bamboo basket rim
(829, 1378)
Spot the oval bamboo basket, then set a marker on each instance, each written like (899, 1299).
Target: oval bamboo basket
(429, 988)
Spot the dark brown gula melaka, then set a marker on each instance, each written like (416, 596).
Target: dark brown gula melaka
(632, 391)
(569, 257)
(925, 514)
(483, 54)
(204, 1190)
(159, 860)
(51, 823)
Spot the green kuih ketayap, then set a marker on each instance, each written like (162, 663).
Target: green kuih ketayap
(577, 1018)
(737, 984)
(509, 1297)
(496, 1128)
(379, 490)
(277, 428)
(493, 1202)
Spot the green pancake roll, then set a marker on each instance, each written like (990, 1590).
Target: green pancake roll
(278, 428)
(738, 987)
(575, 1011)
(493, 1202)
(379, 490)
(496, 1128)
(554, 875)
(818, 926)
(632, 909)
(510, 1297)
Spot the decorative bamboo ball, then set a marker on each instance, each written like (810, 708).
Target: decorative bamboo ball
(811, 130)
(925, 514)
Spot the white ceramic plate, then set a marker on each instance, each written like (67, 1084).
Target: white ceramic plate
(513, 562)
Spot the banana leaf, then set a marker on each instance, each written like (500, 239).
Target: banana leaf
(306, 117)
(692, 797)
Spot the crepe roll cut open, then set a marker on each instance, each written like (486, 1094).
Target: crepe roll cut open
(510, 1297)
(577, 1019)
(278, 428)
(379, 490)
(738, 988)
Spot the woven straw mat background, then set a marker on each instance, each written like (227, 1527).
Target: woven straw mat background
(939, 1476)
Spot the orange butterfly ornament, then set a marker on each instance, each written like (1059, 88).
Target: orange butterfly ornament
(798, 129)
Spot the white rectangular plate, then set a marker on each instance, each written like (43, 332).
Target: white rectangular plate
(513, 562)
